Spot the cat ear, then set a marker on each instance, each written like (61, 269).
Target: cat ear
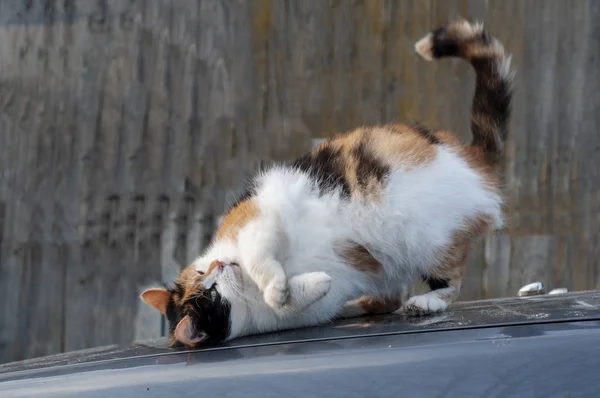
(185, 333)
(157, 298)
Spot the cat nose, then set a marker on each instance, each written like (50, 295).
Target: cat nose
(221, 265)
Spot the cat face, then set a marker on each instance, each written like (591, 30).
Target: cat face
(199, 306)
(210, 300)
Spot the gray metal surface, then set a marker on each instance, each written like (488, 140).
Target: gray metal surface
(536, 346)
(476, 314)
(529, 360)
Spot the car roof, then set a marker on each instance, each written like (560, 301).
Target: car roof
(567, 307)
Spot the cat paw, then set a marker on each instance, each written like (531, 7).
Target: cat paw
(276, 293)
(320, 284)
(424, 304)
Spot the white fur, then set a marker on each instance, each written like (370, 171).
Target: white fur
(424, 47)
(429, 302)
(297, 231)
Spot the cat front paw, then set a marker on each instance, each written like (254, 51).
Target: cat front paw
(320, 284)
(424, 304)
(276, 293)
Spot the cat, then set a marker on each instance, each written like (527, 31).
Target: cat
(362, 215)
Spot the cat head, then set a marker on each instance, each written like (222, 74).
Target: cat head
(199, 306)
(208, 303)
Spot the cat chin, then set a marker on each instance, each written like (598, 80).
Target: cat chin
(231, 275)
(234, 273)
(237, 273)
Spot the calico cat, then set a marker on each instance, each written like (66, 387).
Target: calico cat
(356, 219)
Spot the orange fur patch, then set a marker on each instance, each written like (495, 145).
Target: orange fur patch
(212, 267)
(368, 153)
(157, 298)
(237, 218)
(358, 257)
(448, 138)
(378, 306)
(190, 280)
(477, 159)
(404, 146)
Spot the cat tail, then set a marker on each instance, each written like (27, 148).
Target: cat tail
(490, 111)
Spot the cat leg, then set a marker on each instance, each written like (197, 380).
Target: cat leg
(446, 278)
(270, 278)
(306, 289)
(272, 281)
(369, 306)
(444, 282)
(434, 301)
(261, 246)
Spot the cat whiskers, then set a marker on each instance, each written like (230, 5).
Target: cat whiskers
(233, 286)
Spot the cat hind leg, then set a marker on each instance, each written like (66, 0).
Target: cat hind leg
(369, 306)
(444, 282)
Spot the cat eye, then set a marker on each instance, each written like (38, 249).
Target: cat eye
(200, 272)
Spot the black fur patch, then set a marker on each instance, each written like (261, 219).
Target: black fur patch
(435, 284)
(368, 166)
(443, 45)
(209, 315)
(492, 98)
(326, 167)
(425, 133)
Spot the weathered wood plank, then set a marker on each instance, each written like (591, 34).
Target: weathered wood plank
(584, 168)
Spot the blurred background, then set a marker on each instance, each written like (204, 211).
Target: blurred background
(126, 126)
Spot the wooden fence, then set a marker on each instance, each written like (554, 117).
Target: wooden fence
(126, 125)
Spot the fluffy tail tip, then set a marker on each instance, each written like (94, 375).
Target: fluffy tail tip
(444, 41)
(424, 47)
